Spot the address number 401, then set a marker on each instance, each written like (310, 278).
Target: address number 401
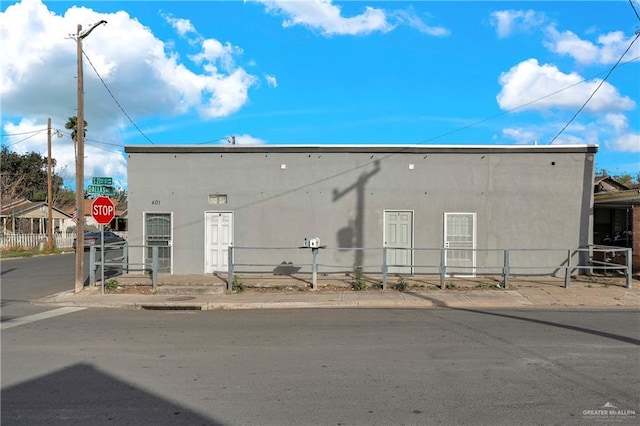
(155, 202)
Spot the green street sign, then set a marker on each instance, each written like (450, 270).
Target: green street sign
(101, 190)
(107, 181)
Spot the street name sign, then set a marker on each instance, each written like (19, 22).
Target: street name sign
(107, 181)
(100, 190)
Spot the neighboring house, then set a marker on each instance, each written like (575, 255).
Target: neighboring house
(194, 201)
(31, 217)
(119, 222)
(616, 215)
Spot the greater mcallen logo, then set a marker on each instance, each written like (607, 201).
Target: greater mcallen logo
(609, 412)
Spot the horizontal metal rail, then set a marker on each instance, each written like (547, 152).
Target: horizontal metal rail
(122, 261)
(507, 267)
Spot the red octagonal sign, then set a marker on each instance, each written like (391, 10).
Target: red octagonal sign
(102, 210)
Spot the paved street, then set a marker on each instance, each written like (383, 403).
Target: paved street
(347, 366)
(26, 279)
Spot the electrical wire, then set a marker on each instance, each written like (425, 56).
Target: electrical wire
(595, 90)
(22, 133)
(116, 100)
(24, 139)
(475, 123)
(634, 9)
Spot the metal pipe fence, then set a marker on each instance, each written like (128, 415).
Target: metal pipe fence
(122, 262)
(445, 262)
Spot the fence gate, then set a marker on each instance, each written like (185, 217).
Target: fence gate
(460, 234)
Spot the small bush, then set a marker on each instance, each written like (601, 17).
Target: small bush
(111, 285)
(450, 285)
(237, 286)
(358, 282)
(402, 284)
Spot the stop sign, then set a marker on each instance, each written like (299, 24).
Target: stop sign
(103, 210)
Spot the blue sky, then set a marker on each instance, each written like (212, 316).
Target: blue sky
(322, 72)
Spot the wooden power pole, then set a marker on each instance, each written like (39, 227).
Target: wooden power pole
(79, 285)
(49, 189)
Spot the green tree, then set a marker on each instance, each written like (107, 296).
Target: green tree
(25, 176)
(72, 125)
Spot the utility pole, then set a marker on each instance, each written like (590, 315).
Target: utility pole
(49, 189)
(80, 161)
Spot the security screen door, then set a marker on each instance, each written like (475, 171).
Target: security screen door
(158, 233)
(460, 238)
(398, 238)
(219, 234)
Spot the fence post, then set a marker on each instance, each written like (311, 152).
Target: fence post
(384, 268)
(443, 268)
(154, 267)
(506, 269)
(629, 263)
(230, 269)
(125, 257)
(567, 274)
(92, 266)
(314, 269)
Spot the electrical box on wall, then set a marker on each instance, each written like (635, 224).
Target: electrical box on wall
(312, 242)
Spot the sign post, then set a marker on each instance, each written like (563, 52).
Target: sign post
(103, 211)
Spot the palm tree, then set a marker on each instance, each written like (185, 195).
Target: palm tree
(72, 125)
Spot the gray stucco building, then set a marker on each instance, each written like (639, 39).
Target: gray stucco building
(195, 201)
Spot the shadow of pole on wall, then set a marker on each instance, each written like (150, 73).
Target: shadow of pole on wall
(352, 236)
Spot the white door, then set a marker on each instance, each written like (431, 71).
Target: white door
(218, 238)
(398, 238)
(460, 240)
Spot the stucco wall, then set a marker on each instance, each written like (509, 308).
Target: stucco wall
(539, 197)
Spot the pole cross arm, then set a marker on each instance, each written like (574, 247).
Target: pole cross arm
(86, 33)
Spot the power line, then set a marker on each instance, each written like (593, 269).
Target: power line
(634, 9)
(595, 90)
(520, 106)
(24, 139)
(116, 101)
(22, 133)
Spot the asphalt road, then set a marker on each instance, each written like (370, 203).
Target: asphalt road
(26, 279)
(323, 367)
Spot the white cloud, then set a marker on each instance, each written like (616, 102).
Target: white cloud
(622, 139)
(520, 136)
(271, 80)
(508, 22)
(213, 51)
(180, 25)
(629, 142)
(618, 121)
(227, 95)
(607, 48)
(244, 140)
(146, 78)
(411, 19)
(529, 85)
(326, 17)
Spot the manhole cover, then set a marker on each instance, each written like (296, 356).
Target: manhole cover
(180, 298)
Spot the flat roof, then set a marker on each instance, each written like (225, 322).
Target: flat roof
(409, 149)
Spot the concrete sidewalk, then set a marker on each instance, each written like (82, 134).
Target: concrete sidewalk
(522, 294)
